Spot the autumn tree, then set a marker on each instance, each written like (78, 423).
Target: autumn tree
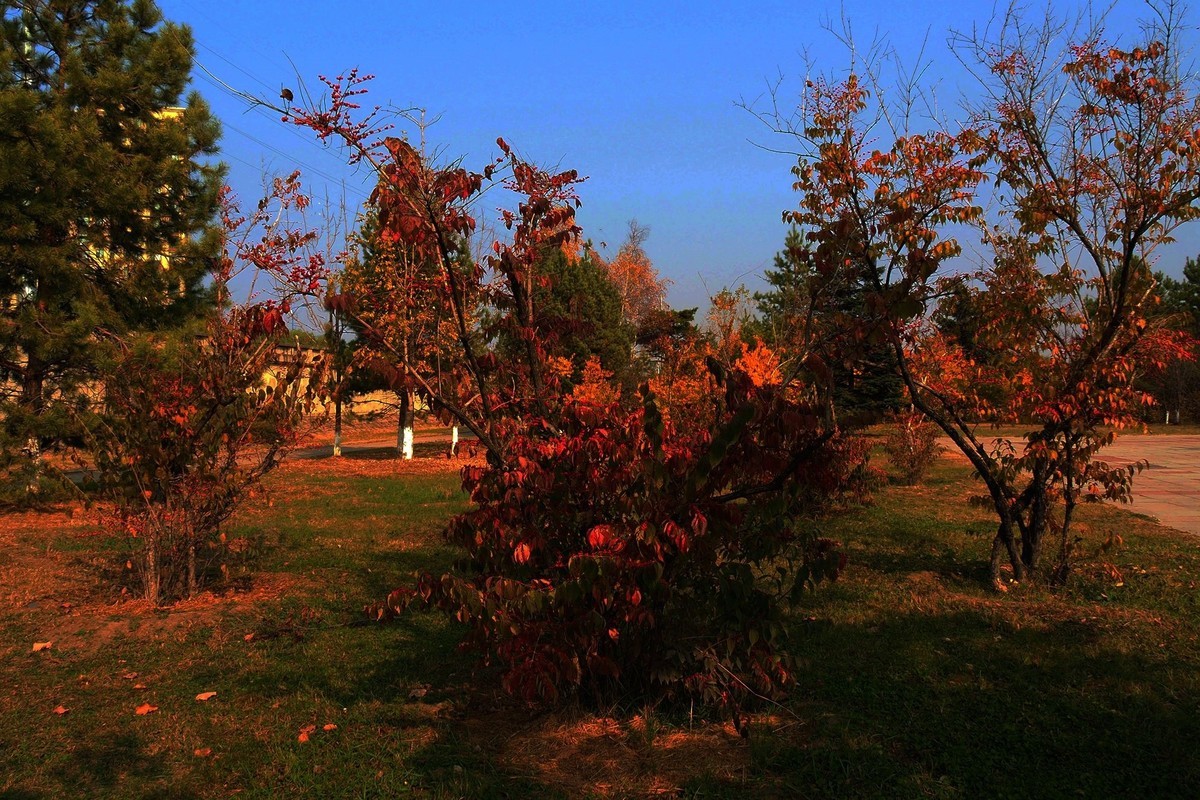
(637, 282)
(190, 425)
(106, 204)
(730, 312)
(611, 548)
(395, 304)
(1092, 149)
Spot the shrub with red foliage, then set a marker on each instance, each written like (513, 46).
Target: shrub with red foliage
(615, 547)
(191, 424)
(613, 557)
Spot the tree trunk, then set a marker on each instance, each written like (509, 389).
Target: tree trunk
(454, 441)
(1004, 543)
(1033, 533)
(404, 436)
(191, 566)
(153, 589)
(33, 400)
(337, 426)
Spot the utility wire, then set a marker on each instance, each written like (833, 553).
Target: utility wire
(255, 104)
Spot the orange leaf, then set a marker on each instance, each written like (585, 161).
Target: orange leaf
(305, 731)
(329, 727)
(61, 710)
(139, 686)
(129, 676)
(40, 646)
(204, 697)
(203, 752)
(144, 709)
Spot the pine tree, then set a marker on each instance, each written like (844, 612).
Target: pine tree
(1177, 386)
(106, 206)
(579, 309)
(807, 313)
(1181, 298)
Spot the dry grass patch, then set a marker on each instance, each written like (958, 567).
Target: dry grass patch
(600, 756)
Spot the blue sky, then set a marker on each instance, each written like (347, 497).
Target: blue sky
(640, 97)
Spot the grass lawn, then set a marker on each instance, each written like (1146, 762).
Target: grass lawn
(917, 681)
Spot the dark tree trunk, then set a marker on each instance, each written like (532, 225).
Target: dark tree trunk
(33, 401)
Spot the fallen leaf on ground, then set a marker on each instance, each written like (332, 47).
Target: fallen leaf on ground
(139, 686)
(206, 696)
(61, 710)
(203, 752)
(40, 646)
(305, 731)
(144, 709)
(129, 676)
(249, 637)
(329, 727)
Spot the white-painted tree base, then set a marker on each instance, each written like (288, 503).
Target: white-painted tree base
(406, 444)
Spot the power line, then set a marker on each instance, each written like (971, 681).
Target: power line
(255, 104)
(245, 72)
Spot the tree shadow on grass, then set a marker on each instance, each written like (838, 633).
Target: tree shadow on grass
(955, 704)
(117, 765)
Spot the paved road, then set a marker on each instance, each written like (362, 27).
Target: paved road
(1169, 490)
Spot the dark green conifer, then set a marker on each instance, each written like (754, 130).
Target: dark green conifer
(107, 203)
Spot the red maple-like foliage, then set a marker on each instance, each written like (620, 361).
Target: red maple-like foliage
(190, 426)
(614, 545)
(1097, 159)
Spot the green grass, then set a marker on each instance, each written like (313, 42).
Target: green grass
(919, 682)
(915, 679)
(309, 661)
